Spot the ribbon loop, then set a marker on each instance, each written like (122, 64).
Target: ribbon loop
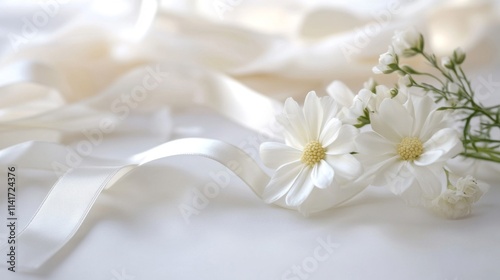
(70, 200)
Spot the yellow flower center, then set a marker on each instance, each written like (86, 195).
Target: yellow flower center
(410, 148)
(313, 153)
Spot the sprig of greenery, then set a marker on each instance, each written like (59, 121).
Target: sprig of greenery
(454, 88)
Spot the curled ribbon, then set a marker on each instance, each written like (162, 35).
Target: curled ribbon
(73, 195)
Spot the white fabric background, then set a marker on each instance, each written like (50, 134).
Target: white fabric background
(136, 229)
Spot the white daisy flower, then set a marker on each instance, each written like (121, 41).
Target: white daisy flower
(316, 153)
(408, 148)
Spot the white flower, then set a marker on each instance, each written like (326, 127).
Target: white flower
(352, 105)
(408, 147)
(382, 92)
(456, 202)
(387, 62)
(316, 153)
(407, 41)
(469, 188)
(451, 205)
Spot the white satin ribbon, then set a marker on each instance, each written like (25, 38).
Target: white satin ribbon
(68, 203)
(73, 195)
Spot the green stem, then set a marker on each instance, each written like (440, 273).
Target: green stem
(482, 140)
(467, 82)
(480, 156)
(433, 62)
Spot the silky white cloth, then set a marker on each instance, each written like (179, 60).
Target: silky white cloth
(77, 80)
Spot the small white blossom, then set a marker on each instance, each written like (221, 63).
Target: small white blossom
(361, 101)
(387, 62)
(407, 41)
(452, 205)
(382, 92)
(456, 202)
(352, 105)
(469, 187)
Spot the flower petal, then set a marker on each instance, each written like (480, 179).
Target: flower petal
(436, 120)
(400, 180)
(340, 93)
(420, 108)
(361, 101)
(443, 145)
(290, 134)
(330, 132)
(296, 120)
(313, 113)
(275, 154)
(372, 143)
(282, 181)
(412, 194)
(428, 181)
(387, 173)
(330, 108)
(301, 188)
(392, 121)
(322, 175)
(373, 163)
(345, 141)
(346, 166)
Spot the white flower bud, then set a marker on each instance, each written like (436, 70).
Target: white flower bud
(446, 62)
(458, 56)
(386, 62)
(406, 42)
